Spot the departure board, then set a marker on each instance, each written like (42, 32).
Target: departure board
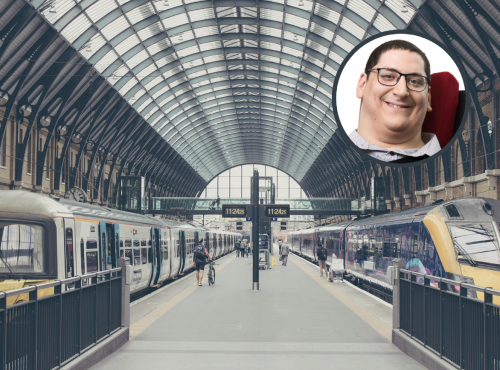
(277, 210)
(235, 211)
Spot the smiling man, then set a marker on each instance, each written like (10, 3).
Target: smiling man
(395, 97)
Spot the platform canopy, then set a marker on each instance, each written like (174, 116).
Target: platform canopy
(227, 83)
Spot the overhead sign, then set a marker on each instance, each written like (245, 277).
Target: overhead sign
(274, 219)
(277, 210)
(234, 210)
(249, 218)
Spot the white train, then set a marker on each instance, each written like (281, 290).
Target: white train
(45, 238)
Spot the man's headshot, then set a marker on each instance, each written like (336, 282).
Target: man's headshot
(394, 96)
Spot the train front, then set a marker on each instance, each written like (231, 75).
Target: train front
(466, 235)
(29, 227)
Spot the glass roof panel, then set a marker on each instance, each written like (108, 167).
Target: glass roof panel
(191, 44)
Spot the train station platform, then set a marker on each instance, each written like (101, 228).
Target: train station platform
(297, 320)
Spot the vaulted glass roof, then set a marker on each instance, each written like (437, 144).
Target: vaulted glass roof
(227, 83)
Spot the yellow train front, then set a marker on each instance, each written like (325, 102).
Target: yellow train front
(457, 239)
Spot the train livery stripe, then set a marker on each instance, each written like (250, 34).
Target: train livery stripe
(381, 327)
(442, 241)
(140, 325)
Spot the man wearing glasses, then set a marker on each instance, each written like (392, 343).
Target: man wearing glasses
(395, 97)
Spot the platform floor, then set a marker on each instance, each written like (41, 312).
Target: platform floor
(296, 320)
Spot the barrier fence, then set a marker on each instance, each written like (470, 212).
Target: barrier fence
(447, 317)
(47, 332)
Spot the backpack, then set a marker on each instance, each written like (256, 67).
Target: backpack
(200, 253)
(321, 254)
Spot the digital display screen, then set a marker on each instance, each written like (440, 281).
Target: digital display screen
(282, 210)
(234, 211)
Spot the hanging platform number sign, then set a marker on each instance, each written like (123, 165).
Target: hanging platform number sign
(277, 210)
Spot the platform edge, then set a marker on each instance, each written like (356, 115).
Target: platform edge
(418, 352)
(99, 352)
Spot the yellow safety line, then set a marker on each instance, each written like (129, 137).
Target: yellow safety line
(381, 327)
(140, 325)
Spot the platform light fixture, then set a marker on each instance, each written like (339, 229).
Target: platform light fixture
(301, 3)
(166, 3)
(404, 8)
(295, 38)
(53, 8)
(88, 49)
(180, 37)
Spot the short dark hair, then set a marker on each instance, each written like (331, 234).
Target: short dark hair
(320, 244)
(200, 241)
(396, 45)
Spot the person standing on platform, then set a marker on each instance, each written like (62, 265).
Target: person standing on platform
(199, 259)
(237, 246)
(280, 243)
(284, 254)
(321, 254)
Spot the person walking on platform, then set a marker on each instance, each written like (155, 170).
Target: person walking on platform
(199, 259)
(284, 254)
(280, 243)
(321, 254)
(237, 247)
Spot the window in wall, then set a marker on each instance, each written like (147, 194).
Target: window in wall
(28, 158)
(3, 152)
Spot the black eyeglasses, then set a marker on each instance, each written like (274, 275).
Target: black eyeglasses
(390, 77)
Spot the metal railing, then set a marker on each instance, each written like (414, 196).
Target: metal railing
(446, 317)
(47, 332)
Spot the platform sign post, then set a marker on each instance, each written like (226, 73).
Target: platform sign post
(255, 229)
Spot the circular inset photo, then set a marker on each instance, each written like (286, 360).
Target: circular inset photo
(399, 98)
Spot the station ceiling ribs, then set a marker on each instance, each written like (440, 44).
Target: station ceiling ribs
(222, 82)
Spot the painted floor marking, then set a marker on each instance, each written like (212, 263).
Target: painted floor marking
(143, 323)
(381, 327)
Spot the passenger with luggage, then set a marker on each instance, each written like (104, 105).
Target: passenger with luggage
(200, 257)
(284, 254)
(237, 247)
(321, 255)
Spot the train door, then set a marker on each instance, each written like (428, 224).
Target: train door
(156, 251)
(116, 250)
(103, 246)
(69, 250)
(182, 246)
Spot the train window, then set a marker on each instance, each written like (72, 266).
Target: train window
(415, 246)
(150, 255)
(388, 247)
(91, 244)
(136, 243)
(149, 242)
(69, 253)
(128, 243)
(165, 251)
(177, 248)
(82, 255)
(144, 253)
(143, 242)
(452, 211)
(425, 244)
(137, 256)
(121, 247)
(475, 241)
(91, 261)
(128, 253)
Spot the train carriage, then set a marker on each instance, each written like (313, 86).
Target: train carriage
(46, 238)
(457, 239)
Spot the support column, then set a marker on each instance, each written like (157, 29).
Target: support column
(255, 230)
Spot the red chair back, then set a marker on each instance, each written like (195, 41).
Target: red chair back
(445, 103)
